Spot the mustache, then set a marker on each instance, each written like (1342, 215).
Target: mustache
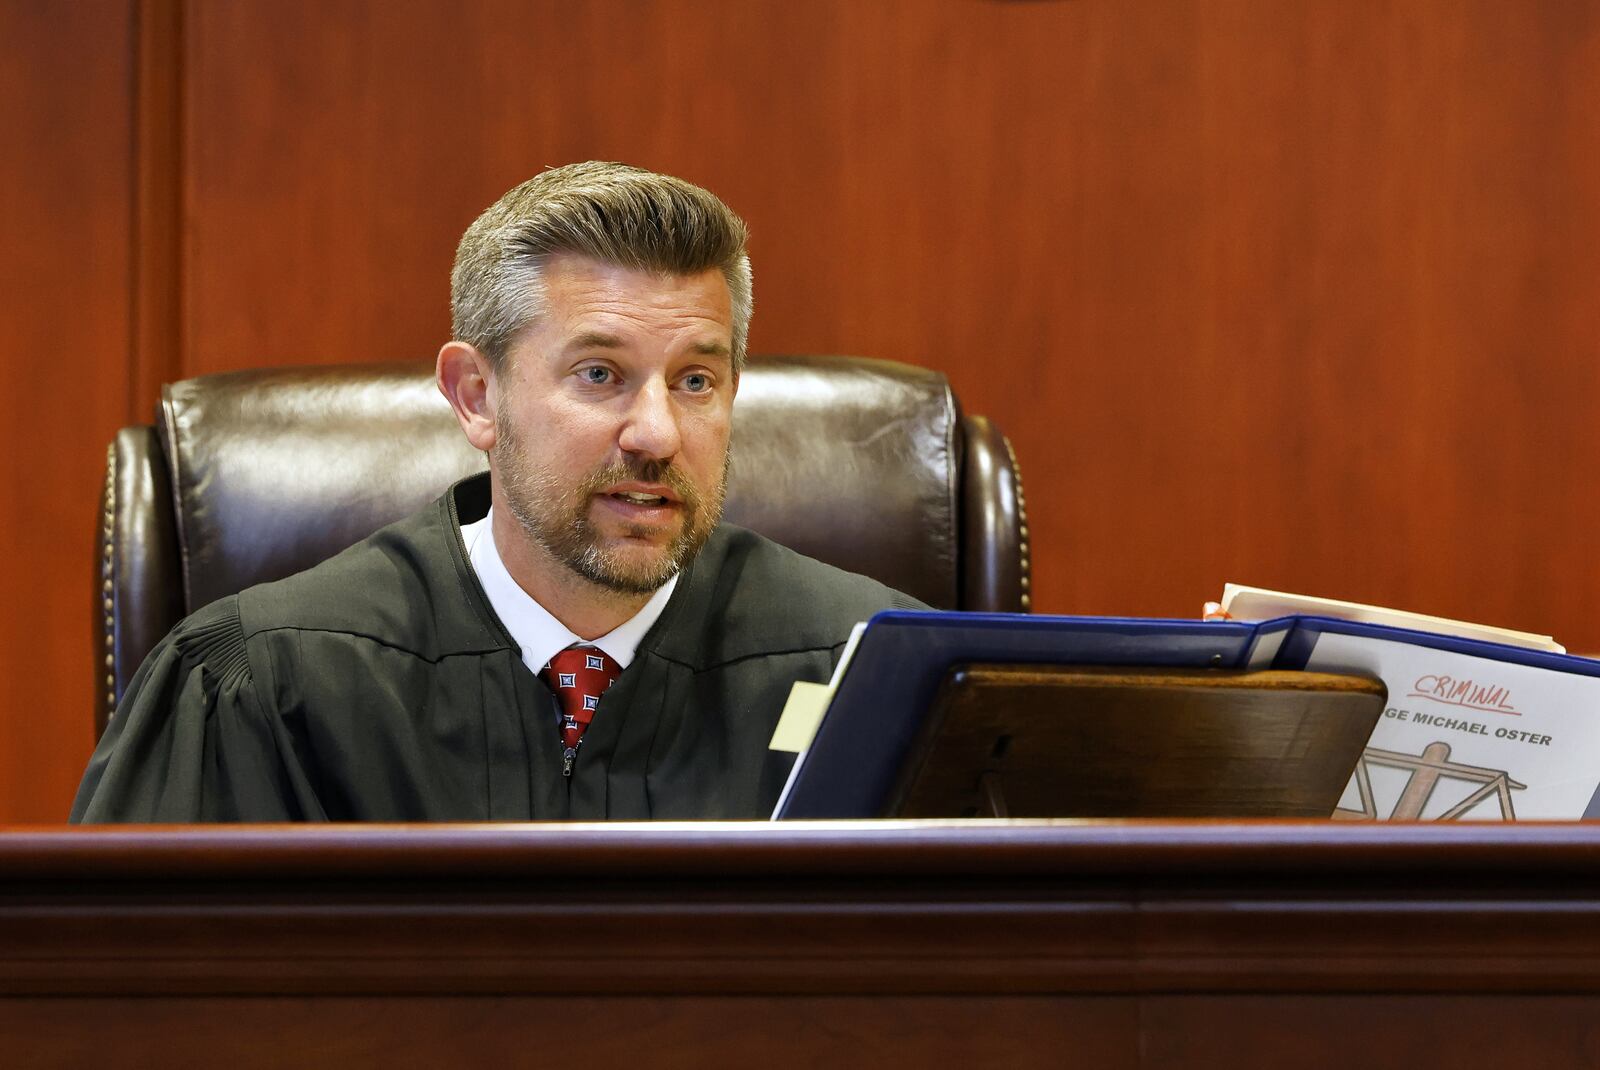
(652, 470)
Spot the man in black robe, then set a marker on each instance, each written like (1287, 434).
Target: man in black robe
(600, 321)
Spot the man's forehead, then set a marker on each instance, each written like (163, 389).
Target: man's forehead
(604, 306)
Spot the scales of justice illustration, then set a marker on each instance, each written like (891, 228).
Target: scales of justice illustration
(1428, 772)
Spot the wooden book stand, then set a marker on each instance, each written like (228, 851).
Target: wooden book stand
(1047, 741)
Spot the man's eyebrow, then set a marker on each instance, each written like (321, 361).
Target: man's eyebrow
(595, 340)
(601, 340)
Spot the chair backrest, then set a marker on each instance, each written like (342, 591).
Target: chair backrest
(255, 475)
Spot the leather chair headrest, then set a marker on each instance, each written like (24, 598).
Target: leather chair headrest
(273, 471)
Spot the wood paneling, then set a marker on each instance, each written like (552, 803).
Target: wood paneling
(669, 1032)
(1151, 945)
(157, 352)
(1298, 295)
(432, 1033)
(1015, 908)
(65, 288)
(1293, 294)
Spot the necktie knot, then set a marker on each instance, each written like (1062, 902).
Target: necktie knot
(578, 676)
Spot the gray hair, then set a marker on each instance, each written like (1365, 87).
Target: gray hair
(609, 212)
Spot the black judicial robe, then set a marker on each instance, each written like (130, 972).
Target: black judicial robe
(380, 686)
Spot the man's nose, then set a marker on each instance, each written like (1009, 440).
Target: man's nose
(651, 426)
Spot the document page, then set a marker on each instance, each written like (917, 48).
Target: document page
(1254, 603)
(802, 714)
(1469, 738)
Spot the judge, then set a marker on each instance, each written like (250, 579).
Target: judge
(572, 635)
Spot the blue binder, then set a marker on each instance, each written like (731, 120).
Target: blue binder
(868, 731)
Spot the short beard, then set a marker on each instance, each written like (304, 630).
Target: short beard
(558, 519)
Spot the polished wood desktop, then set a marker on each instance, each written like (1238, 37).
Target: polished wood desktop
(1111, 944)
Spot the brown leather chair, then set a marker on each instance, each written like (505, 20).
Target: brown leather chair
(251, 476)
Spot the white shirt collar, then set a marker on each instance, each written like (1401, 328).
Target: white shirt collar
(538, 633)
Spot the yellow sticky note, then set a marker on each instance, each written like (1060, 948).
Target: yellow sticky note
(801, 716)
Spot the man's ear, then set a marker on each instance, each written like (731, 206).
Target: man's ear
(466, 379)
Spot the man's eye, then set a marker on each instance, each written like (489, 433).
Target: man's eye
(596, 375)
(697, 383)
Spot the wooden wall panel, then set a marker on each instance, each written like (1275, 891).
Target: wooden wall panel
(65, 106)
(1293, 294)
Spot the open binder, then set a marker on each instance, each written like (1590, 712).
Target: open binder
(906, 673)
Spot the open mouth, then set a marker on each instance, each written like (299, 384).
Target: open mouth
(634, 497)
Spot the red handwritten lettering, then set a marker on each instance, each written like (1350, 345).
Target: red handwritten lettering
(1468, 694)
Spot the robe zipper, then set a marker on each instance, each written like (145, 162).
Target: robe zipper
(568, 755)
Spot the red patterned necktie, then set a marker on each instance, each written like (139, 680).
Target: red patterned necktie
(578, 676)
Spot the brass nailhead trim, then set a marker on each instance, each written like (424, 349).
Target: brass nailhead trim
(107, 578)
(1023, 548)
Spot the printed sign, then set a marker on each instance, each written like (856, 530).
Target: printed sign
(1468, 738)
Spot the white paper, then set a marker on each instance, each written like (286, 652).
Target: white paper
(825, 700)
(1524, 740)
(1255, 603)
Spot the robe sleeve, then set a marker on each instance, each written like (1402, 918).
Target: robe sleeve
(196, 737)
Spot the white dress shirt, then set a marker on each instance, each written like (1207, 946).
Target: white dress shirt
(538, 633)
